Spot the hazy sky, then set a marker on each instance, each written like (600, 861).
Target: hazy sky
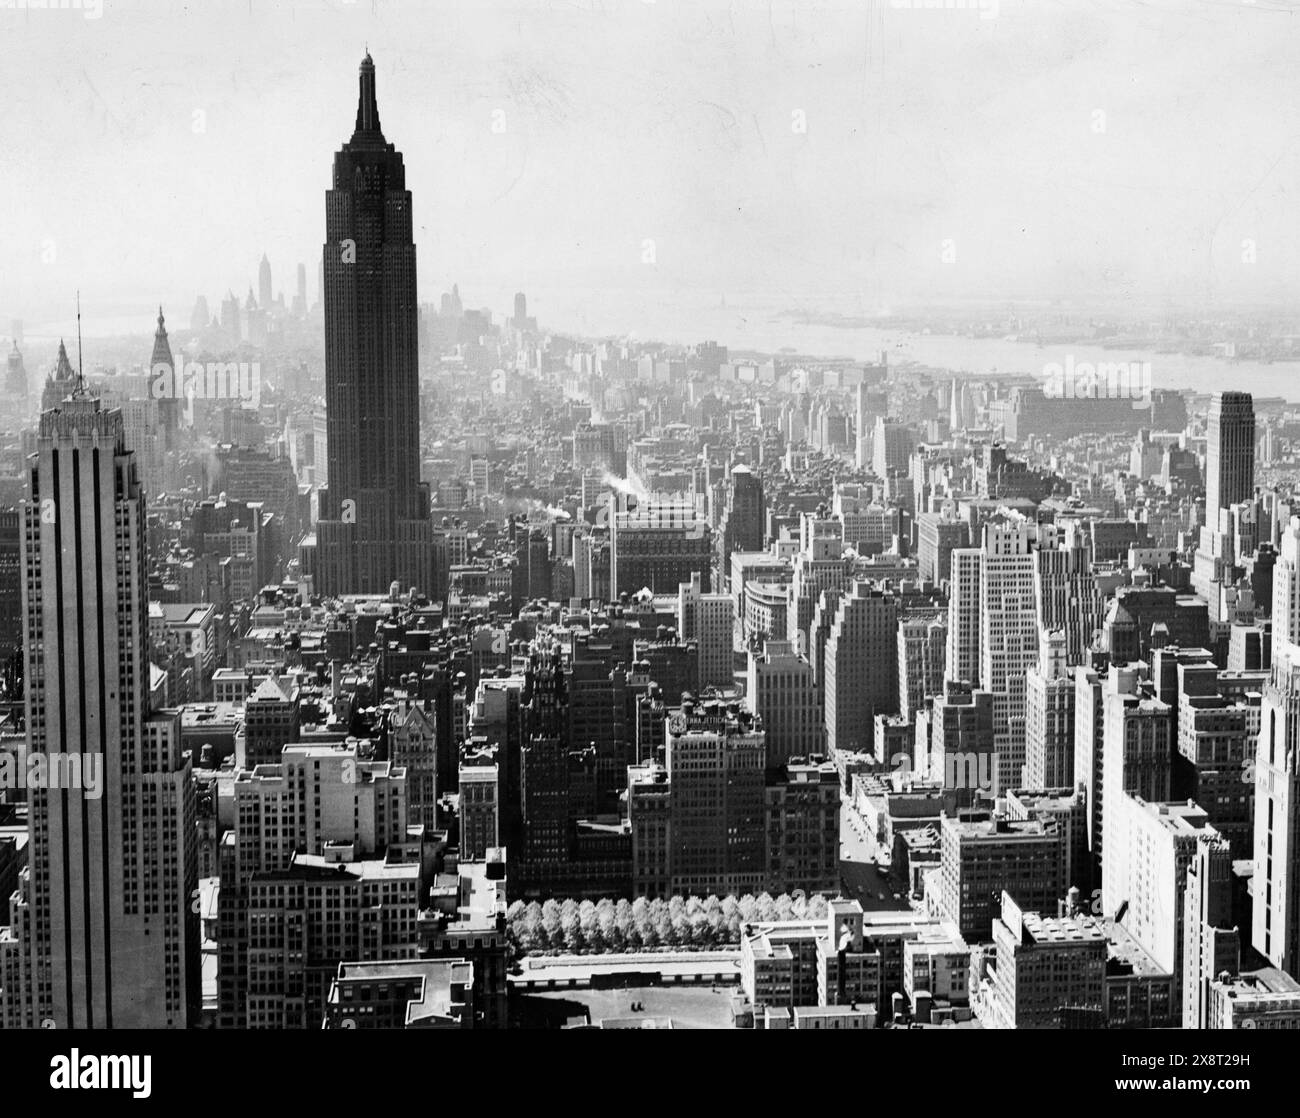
(1089, 148)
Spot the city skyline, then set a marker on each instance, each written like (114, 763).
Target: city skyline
(961, 209)
(892, 624)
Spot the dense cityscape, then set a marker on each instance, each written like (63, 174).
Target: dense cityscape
(379, 661)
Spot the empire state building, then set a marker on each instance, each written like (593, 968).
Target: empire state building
(374, 526)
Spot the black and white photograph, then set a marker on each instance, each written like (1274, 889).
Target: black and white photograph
(745, 515)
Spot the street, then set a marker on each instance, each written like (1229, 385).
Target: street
(864, 877)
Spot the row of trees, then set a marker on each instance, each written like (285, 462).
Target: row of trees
(690, 923)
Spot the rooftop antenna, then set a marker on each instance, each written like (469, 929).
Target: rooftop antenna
(81, 377)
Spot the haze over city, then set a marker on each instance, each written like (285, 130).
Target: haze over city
(629, 515)
(854, 156)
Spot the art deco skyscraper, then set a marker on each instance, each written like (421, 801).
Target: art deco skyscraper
(1275, 931)
(115, 939)
(374, 525)
(1229, 453)
(264, 296)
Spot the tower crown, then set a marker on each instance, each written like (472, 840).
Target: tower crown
(367, 104)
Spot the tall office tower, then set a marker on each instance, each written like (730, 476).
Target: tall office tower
(15, 376)
(115, 940)
(544, 772)
(1137, 747)
(493, 720)
(480, 808)
(1275, 931)
(11, 587)
(264, 295)
(1049, 973)
(300, 297)
(658, 546)
(961, 410)
(315, 798)
(532, 567)
(819, 632)
(803, 829)
(1149, 849)
(717, 834)
(521, 310)
(1286, 595)
(1008, 618)
(780, 689)
(230, 316)
(963, 659)
(271, 721)
(1229, 453)
(374, 525)
(709, 620)
(959, 751)
(891, 448)
(61, 380)
(869, 527)
(1049, 717)
(922, 646)
(1066, 593)
(200, 316)
(937, 537)
(819, 565)
(1089, 749)
(1211, 944)
(254, 321)
(743, 522)
(413, 745)
(981, 857)
(861, 661)
(602, 703)
(1214, 742)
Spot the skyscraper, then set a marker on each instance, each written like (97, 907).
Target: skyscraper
(16, 376)
(1008, 640)
(161, 364)
(861, 662)
(1275, 930)
(966, 564)
(1049, 716)
(659, 546)
(374, 524)
(741, 525)
(1229, 453)
(115, 937)
(264, 284)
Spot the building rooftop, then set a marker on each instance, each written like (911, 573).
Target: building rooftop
(996, 829)
(436, 978)
(1062, 929)
(1124, 955)
(1185, 818)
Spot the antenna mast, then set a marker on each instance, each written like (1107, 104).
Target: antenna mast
(81, 377)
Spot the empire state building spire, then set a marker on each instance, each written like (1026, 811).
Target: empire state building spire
(367, 104)
(374, 524)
